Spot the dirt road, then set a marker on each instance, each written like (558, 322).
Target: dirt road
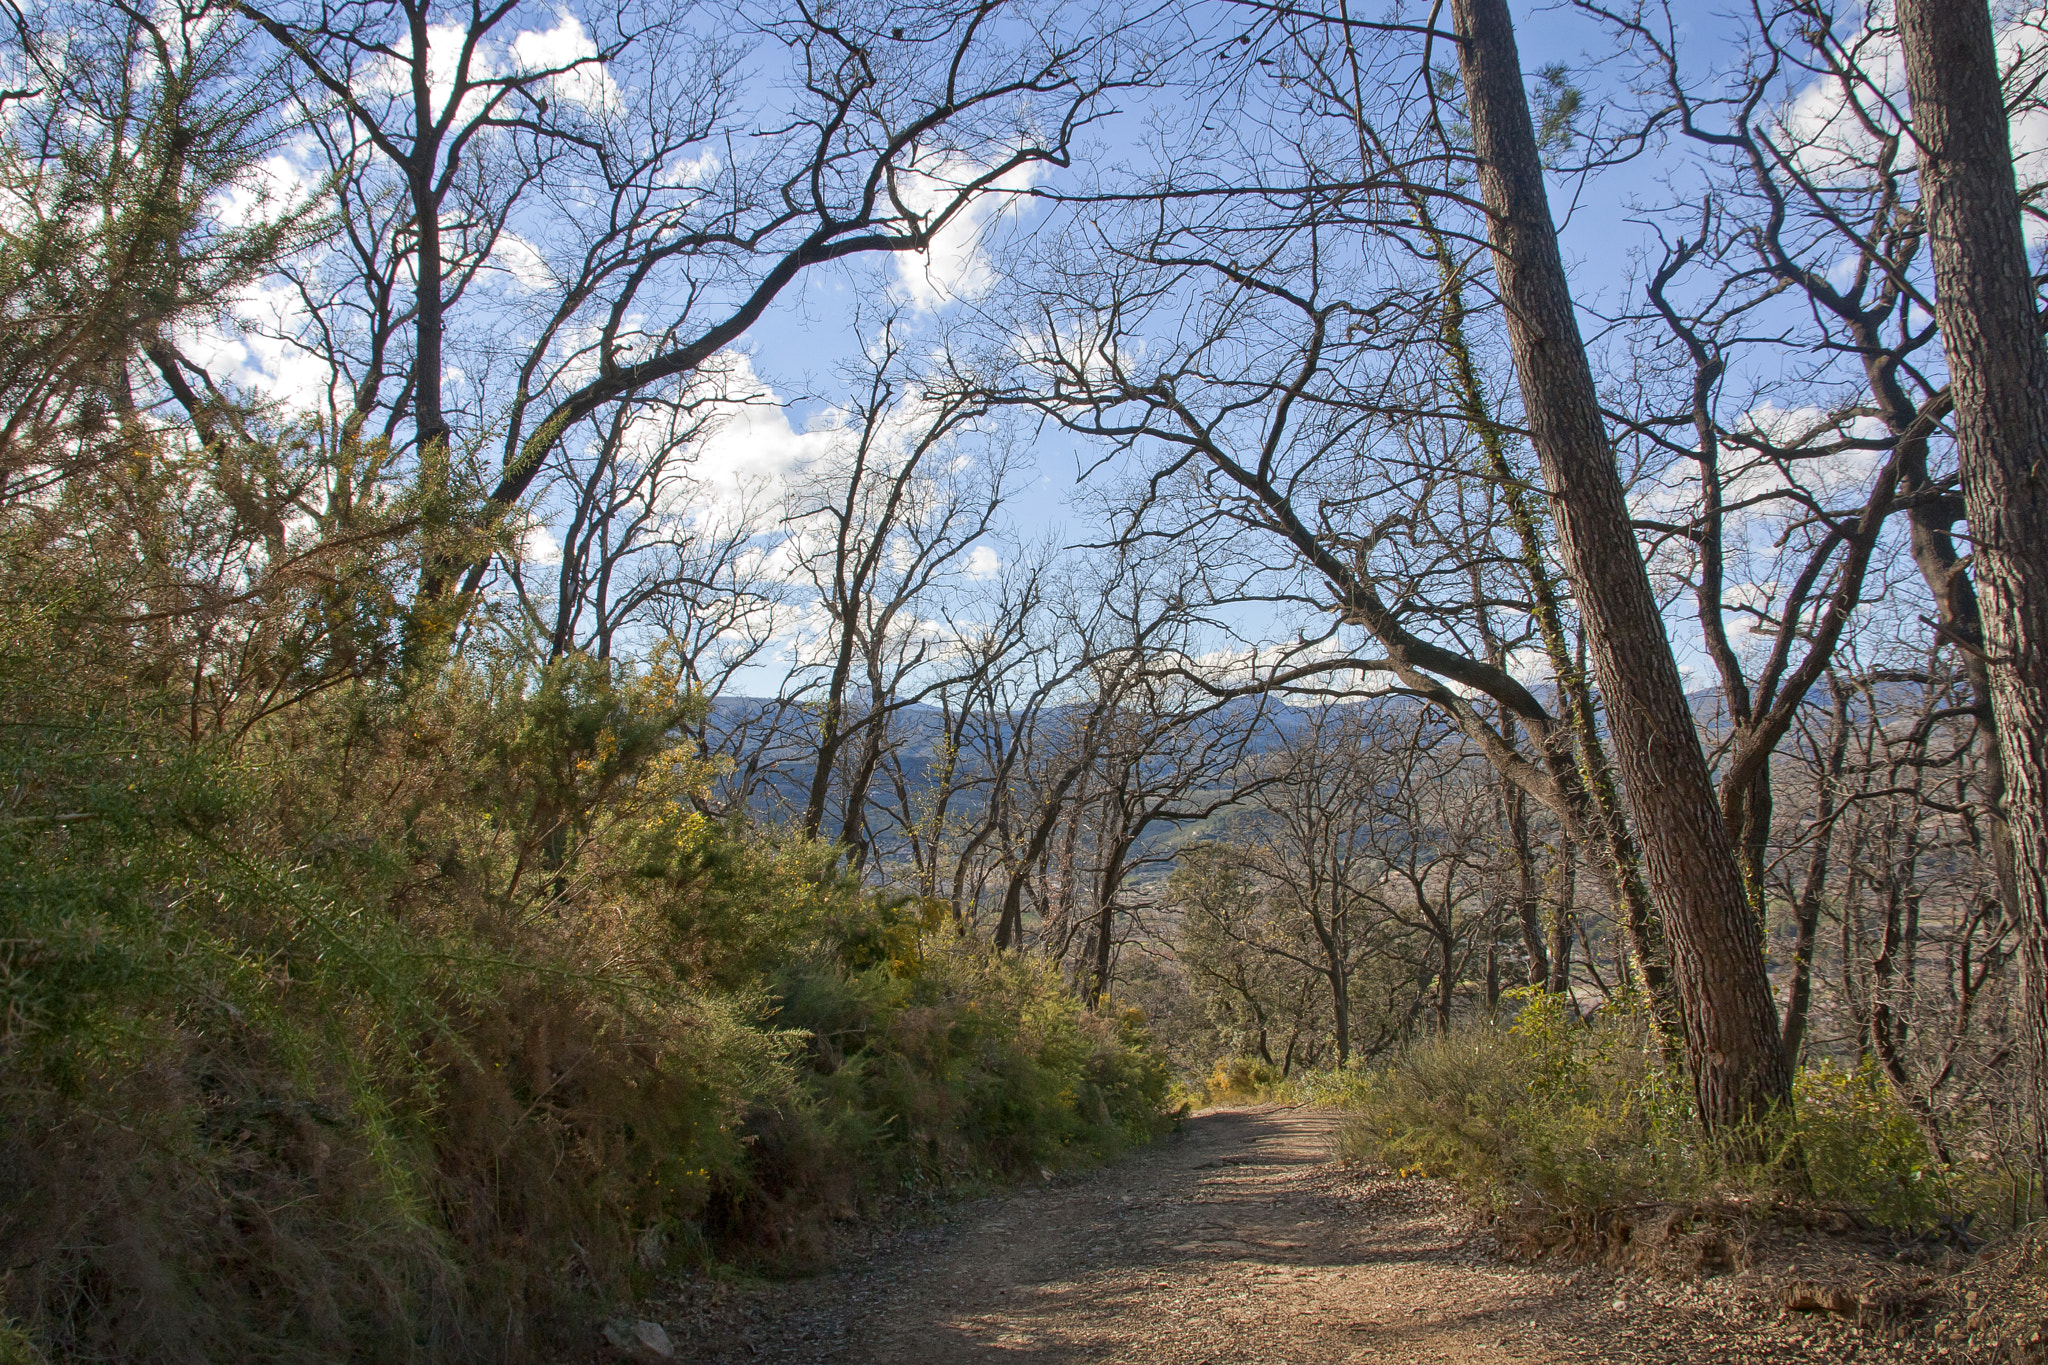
(1239, 1240)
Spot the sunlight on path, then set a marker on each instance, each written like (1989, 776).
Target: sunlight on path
(1238, 1241)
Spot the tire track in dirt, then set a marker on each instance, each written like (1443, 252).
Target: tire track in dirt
(1237, 1240)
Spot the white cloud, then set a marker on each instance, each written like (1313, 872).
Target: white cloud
(1822, 124)
(779, 561)
(539, 546)
(1742, 626)
(566, 45)
(270, 188)
(1749, 478)
(984, 563)
(752, 442)
(692, 170)
(956, 265)
(522, 260)
(250, 350)
(1531, 667)
(1827, 132)
(1080, 344)
(1786, 426)
(393, 76)
(1835, 473)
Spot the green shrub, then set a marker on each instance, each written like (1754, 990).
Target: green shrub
(15, 1346)
(1571, 1120)
(1447, 1108)
(413, 1027)
(1856, 1144)
(947, 1063)
(1243, 1079)
(251, 1111)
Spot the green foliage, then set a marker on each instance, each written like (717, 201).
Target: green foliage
(1578, 1118)
(1556, 103)
(1243, 1079)
(1238, 989)
(987, 1055)
(347, 1039)
(1248, 997)
(1856, 1144)
(110, 183)
(16, 1348)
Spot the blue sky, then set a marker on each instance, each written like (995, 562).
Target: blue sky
(794, 354)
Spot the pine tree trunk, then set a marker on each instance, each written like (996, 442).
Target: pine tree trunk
(1730, 1018)
(1998, 372)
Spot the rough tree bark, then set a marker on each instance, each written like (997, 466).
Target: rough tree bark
(1731, 1024)
(1998, 372)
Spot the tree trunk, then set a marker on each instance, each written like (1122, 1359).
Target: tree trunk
(1106, 888)
(1561, 917)
(1799, 991)
(1340, 1006)
(431, 619)
(1446, 980)
(1334, 940)
(1991, 333)
(1528, 901)
(1753, 836)
(830, 725)
(1010, 921)
(1730, 1018)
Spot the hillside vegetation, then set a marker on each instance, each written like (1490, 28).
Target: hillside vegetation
(410, 1021)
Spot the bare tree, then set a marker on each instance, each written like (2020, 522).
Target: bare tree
(944, 796)
(1118, 626)
(1175, 754)
(1427, 836)
(649, 551)
(879, 528)
(1319, 847)
(1923, 946)
(1828, 756)
(1301, 398)
(604, 159)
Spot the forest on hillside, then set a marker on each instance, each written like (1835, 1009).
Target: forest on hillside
(632, 629)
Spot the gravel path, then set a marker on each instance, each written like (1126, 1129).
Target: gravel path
(1239, 1240)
